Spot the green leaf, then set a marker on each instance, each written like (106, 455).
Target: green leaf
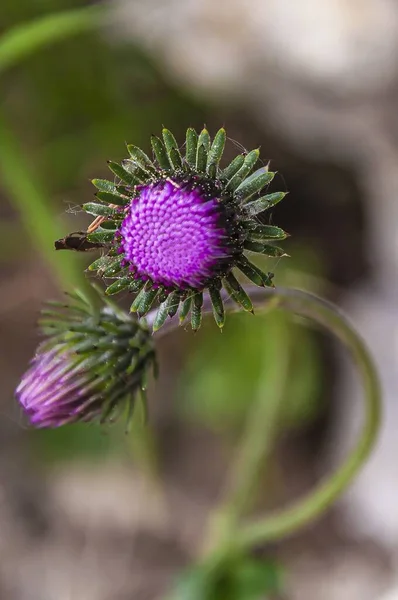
(141, 158)
(265, 249)
(191, 146)
(237, 293)
(118, 285)
(253, 273)
(99, 210)
(253, 184)
(202, 150)
(266, 232)
(100, 263)
(100, 236)
(233, 167)
(172, 150)
(112, 198)
(134, 174)
(144, 301)
(185, 308)
(123, 175)
(113, 268)
(104, 185)
(258, 206)
(196, 311)
(163, 312)
(160, 153)
(249, 161)
(216, 152)
(175, 302)
(218, 306)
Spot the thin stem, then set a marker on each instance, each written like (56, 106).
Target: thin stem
(287, 521)
(34, 208)
(258, 435)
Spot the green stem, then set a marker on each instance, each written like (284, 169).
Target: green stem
(34, 208)
(259, 432)
(289, 520)
(24, 39)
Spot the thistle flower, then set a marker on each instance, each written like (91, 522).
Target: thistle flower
(90, 366)
(179, 225)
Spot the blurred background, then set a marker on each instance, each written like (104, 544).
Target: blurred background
(92, 513)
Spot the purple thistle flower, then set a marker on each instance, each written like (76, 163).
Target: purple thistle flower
(90, 367)
(179, 226)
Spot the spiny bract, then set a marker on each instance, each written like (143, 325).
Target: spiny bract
(178, 225)
(90, 366)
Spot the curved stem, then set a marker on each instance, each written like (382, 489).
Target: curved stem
(287, 521)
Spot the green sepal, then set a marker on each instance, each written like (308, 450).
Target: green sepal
(265, 232)
(258, 206)
(174, 303)
(237, 292)
(191, 147)
(172, 150)
(163, 313)
(103, 185)
(100, 236)
(135, 171)
(202, 150)
(249, 162)
(109, 225)
(265, 249)
(185, 308)
(99, 210)
(112, 198)
(141, 158)
(253, 273)
(253, 184)
(216, 152)
(114, 268)
(123, 174)
(144, 301)
(196, 311)
(160, 153)
(233, 167)
(118, 286)
(100, 263)
(218, 306)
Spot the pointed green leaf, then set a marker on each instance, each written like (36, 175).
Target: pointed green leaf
(266, 249)
(265, 232)
(134, 171)
(172, 149)
(103, 185)
(254, 183)
(248, 164)
(99, 210)
(185, 308)
(258, 206)
(174, 303)
(109, 225)
(118, 285)
(112, 198)
(196, 311)
(100, 236)
(191, 147)
(123, 174)
(137, 300)
(114, 268)
(237, 292)
(163, 312)
(203, 149)
(100, 263)
(141, 158)
(252, 272)
(160, 153)
(147, 299)
(233, 167)
(216, 152)
(218, 306)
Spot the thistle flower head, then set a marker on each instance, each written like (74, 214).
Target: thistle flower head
(89, 367)
(179, 225)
